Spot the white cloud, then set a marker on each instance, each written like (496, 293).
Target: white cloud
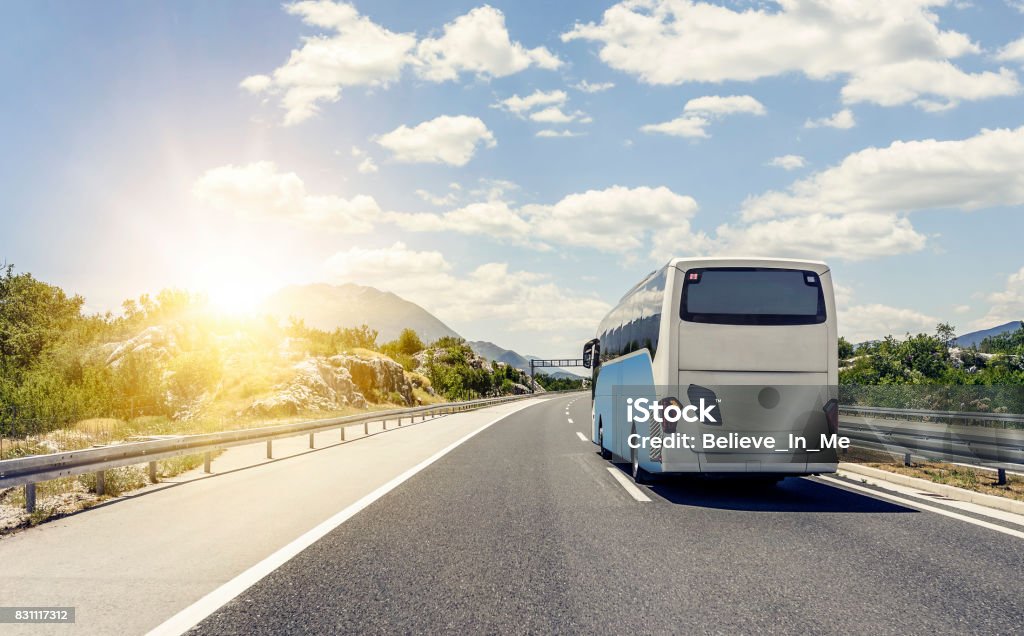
(521, 105)
(843, 120)
(977, 172)
(887, 52)
(908, 82)
(873, 321)
(727, 105)
(256, 83)
(961, 309)
(860, 323)
(356, 51)
(686, 126)
(367, 166)
(549, 133)
(445, 139)
(544, 107)
(449, 198)
(788, 162)
(1007, 304)
(259, 191)
(616, 219)
(478, 42)
(555, 115)
(596, 87)
(699, 112)
(1012, 52)
(520, 300)
(850, 237)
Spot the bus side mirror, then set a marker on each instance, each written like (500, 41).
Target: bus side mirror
(589, 350)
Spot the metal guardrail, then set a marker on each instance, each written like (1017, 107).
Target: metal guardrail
(28, 471)
(962, 416)
(938, 435)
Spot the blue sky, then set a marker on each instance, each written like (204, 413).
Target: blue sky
(236, 147)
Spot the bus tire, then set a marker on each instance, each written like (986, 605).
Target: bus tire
(640, 475)
(605, 453)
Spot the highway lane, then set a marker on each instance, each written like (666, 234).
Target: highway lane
(523, 529)
(131, 563)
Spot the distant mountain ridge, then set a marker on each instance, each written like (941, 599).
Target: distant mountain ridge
(341, 306)
(975, 337)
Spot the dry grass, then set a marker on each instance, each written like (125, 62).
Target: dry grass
(61, 497)
(968, 478)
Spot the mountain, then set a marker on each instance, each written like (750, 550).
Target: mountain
(975, 337)
(491, 351)
(331, 306)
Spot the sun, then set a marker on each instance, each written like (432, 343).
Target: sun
(235, 297)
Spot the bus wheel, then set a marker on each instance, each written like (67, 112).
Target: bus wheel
(640, 475)
(605, 453)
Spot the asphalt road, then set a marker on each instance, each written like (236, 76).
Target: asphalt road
(133, 562)
(522, 528)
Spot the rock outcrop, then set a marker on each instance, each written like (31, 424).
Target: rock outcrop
(328, 384)
(376, 376)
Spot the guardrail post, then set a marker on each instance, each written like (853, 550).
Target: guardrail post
(342, 429)
(270, 449)
(311, 444)
(366, 428)
(1001, 477)
(30, 497)
(152, 472)
(101, 485)
(207, 458)
(906, 459)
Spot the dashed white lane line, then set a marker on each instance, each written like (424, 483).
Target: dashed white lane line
(570, 421)
(629, 486)
(920, 506)
(582, 437)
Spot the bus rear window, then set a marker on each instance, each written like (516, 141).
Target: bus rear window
(752, 296)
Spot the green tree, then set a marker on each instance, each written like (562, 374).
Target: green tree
(946, 333)
(845, 349)
(33, 316)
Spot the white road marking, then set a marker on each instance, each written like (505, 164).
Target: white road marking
(966, 506)
(196, 612)
(582, 437)
(920, 506)
(630, 487)
(570, 421)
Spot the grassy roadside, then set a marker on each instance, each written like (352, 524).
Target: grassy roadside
(975, 479)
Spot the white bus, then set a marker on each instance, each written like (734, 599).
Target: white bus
(751, 343)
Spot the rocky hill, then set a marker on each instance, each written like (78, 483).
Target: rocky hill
(339, 306)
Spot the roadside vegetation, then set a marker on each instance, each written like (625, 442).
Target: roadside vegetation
(170, 364)
(551, 383)
(926, 371)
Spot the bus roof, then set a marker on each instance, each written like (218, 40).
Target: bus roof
(817, 267)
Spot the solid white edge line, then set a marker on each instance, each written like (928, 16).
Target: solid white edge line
(921, 506)
(583, 438)
(189, 617)
(629, 486)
